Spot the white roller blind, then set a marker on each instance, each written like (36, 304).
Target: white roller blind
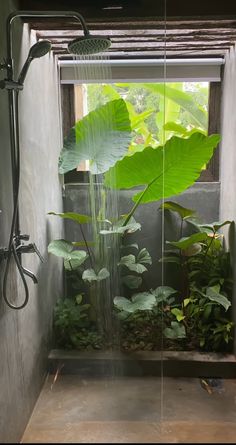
(177, 70)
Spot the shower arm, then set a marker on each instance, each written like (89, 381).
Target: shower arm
(47, 14)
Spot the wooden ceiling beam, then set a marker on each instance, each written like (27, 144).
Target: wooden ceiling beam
(55, 24)
(139, 33)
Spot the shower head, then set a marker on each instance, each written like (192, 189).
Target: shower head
(86, 45)
(39, 49)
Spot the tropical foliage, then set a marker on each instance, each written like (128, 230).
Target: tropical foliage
(196, 315)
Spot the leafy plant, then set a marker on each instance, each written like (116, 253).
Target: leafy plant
(94, 135)
(71, 321)
(205, 271)
(179, 161)
(104, 136)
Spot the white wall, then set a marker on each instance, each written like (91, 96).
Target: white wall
(228, 156)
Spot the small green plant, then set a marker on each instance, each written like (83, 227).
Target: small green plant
(72, 325)
(203, 309)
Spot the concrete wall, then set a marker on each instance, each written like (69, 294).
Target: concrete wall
(228, 155)
(203, 197)
(25, 335)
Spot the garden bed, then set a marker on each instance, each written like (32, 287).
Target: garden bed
(143, 363)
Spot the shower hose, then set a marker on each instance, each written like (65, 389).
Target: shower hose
(13, 241)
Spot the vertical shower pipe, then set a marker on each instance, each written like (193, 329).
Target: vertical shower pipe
(13, 100)
(13, 94)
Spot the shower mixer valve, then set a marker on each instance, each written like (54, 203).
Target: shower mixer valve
(29, 248)
(26, 248)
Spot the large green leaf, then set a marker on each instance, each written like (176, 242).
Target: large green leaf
(130, 262)
(77, 257)
(186, 242)
(72, 258)
(90, 275)
(77, 217)
(177, 330)
(144, 257)
(61, 247)
(102, 136)
(182, 159)
(215, 226)
(119, 229)
(174, 207)
(213, 293)
(183, 99)
(143, 301)
(162, 293)
(178, 313)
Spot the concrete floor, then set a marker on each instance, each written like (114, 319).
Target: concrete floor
(132, 410)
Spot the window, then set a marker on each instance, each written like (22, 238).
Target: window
(79, 98)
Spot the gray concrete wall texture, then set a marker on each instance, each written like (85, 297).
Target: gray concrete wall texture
(202, 197)
(25, 335)
(228, 156)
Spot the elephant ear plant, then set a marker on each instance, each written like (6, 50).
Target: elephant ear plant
(104, 137)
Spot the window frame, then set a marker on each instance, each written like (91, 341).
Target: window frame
(211, 174)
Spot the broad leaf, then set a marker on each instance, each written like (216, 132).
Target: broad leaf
(184, 100)
(132, 281)
(192, 250)
(129, 228)
(178, 314)
(176, 331)
(215, 226)
(144, 257)
(60, 247)
(119, 228)
(177, 128)
(183, 161)
(143, 301)
(130, 262)
(81, 219)
(174, 207)
(213, 293)
(64, 249)
(90, 275)
(209, 228)
(77, 257)
(186, 242)
(103, 137)
(162, 293)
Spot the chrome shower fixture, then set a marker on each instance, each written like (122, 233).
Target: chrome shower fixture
(39, 49)
(84, 46)
(80, 46)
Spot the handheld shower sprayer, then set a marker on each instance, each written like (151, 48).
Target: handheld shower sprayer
(81, 46)
(39, 49)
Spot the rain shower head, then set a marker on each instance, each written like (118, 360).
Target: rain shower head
(86, 45)
(39, 49)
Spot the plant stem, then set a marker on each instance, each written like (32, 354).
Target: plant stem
(140, 199)
(130, 214)
(86, 244)
(207, 250)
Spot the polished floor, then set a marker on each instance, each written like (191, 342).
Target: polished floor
(73, 409)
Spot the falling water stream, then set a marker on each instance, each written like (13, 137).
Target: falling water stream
(103, 206)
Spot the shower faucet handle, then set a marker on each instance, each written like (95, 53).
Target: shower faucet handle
(38, 252)
(29, 248)
(24, 237)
